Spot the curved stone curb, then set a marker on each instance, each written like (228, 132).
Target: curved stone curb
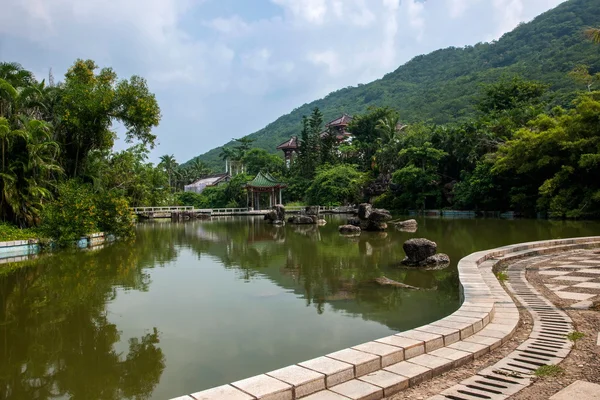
(486, 319)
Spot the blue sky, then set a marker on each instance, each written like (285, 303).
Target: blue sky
(226, 68)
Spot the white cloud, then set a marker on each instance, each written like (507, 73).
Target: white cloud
(416, 20)
(234, 25)
(459, 7)
(508, 14)
(207, 67)
(329, 59)
(312, 11)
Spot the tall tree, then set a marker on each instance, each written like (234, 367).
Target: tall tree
(91, 102)
(169, 164)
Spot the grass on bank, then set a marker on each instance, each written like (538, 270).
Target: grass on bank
(10, 232)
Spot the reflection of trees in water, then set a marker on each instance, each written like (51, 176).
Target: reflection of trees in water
(322, 265)
(55, 337)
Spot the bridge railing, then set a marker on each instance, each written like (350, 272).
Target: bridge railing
(161, 209)
(217, 211)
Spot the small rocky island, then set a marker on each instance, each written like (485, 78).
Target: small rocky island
(368, 219)
(423, 253)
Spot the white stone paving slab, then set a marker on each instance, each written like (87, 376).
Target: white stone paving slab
(358, 390)
(574, 296)
(557, 273)
(304, 380)
(598, 340)
(589, 271)
(222, 392)
(557, 287)
(265, 387)
(588, 285)
(580, 390)
(572, 278)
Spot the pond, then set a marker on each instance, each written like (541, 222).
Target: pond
(190, 306)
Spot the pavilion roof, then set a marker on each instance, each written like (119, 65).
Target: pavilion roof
(265, 180)
(344, 120)
(291, 143)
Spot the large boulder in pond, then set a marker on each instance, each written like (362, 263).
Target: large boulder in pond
(364, 210)
(417, 250)
(280, 210)
(409, 223)
(373, 226)
(302, 220)
(349, 230)
(437, 259)
(271, 216)
(379, 215)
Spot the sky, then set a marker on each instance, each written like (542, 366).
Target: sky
(222, 69)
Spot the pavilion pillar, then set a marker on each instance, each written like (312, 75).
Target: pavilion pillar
(280, 202)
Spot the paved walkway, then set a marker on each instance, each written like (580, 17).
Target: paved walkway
(574, 278)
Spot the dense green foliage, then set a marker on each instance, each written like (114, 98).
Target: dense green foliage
(78, 211)
(443, 86)
(336, 186)
(9, 232)
(57, 164)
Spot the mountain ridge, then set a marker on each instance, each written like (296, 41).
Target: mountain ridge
(443, 86)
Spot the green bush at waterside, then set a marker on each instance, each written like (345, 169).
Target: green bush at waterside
(78, 211)
(10, 232)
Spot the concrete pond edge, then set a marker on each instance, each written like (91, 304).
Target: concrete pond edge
(486, 319)
(21, 250)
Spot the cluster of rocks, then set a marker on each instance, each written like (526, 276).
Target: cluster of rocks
(422, 252)
(368, 219)
(310, 216)
(276, 216)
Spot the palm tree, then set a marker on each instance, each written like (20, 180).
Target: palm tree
(387, 128)
(593, 34)
(169, 163)
(198, 169)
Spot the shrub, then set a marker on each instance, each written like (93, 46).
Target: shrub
(78, 211)
(336, 185)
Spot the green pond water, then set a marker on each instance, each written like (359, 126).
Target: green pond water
(190, 306)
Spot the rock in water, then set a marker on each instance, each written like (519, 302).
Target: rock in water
(373, 226)
(364, 210)
(280, 210)
(383, 281)
(437, 259)
(379, 215)
(321, 222)
(271, 216)
(417, 250)
(302, 220)
(349, 229)
(409, 223)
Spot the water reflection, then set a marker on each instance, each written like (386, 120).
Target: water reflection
(189, 306)
(55, 334)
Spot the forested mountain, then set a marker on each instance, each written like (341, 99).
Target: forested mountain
(443, 86)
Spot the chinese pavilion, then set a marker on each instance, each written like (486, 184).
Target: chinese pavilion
(336, 127)
(289, 148)
(264, 183)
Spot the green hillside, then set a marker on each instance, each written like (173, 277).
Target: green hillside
(442, 86)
